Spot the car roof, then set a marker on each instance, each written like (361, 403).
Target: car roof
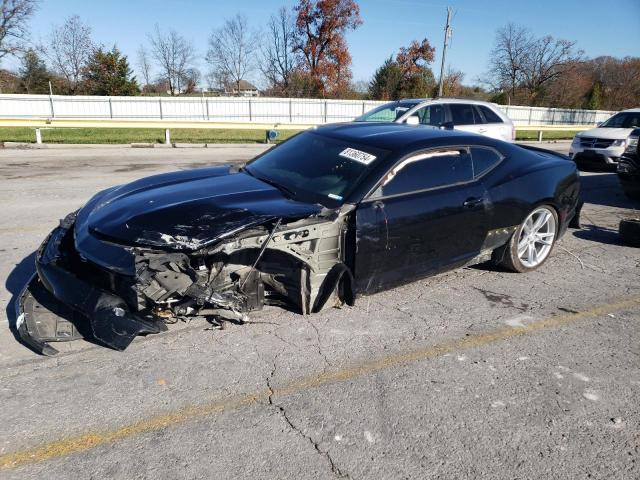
(445, 100)
(395, 136)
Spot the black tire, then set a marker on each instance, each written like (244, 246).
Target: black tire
(507, 256)
(632, 193)
(629, 231)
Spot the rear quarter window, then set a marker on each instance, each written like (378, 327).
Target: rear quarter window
(484, 159)
(489, 115)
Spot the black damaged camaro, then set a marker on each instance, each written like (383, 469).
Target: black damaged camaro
(333, 213)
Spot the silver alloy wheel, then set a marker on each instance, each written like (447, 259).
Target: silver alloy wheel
(536, 237)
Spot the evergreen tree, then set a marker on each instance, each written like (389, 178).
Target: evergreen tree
(34, 77)
(420, 84)
(108, 73)
(387, 81)
(594, 101)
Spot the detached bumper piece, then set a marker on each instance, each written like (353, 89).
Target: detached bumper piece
(57, 306)
(43, 319)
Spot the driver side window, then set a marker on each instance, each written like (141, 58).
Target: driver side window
(426, 171)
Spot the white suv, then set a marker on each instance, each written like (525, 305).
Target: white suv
(468, 115)
(605, 144)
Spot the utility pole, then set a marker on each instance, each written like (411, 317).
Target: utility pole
(447, 37)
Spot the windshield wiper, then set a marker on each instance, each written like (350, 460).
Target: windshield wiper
(279, 186)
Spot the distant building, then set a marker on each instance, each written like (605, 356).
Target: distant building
(247, 89)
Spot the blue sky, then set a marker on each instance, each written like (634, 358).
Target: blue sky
(600, 28)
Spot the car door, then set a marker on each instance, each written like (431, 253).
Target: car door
(466, 118)
(492, 124)
(426, 215)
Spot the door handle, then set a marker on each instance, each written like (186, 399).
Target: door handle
(378, 204)
(471, 202)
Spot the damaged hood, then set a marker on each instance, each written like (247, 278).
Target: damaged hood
(186, 210)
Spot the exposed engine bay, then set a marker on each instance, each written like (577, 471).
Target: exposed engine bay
(297, 266)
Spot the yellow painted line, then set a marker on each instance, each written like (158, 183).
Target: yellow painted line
(92, 439)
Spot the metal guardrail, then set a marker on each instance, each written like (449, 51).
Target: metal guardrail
(94, 123)
(79, 123)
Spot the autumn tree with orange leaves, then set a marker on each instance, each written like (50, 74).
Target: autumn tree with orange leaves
(413, 59)
(408, 76)
(321, 26)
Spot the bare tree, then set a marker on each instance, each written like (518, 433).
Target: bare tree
(69, 48)
(278, 61)
(620, 80)
(547, 59)
(509, 56)
(14, 16)
(522, 63)
(144, 65)
(452, 82)
(217, 80)
(174, 55)
(232, 50)
(191, 80)
(212, 81)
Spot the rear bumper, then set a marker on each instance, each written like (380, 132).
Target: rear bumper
(57, 305)
(573, 218)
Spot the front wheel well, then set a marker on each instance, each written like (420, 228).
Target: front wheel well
(339, 280)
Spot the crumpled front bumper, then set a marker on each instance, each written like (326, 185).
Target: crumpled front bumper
(41, 318)
(58, 305)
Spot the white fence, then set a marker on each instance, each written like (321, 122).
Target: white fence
(231, 109)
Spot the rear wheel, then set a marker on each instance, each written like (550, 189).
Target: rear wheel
(631, 190)
(532, 242)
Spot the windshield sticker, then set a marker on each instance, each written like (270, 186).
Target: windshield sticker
(357, 155)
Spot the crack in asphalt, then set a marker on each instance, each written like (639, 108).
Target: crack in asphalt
(319, 344)
(337, 472)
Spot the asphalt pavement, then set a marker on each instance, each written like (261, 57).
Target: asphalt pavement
(477, 373)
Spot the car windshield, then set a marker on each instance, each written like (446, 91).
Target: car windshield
(389, 112)
(623, 120)
(314, 168)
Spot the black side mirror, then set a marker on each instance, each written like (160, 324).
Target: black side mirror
(446, 126)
